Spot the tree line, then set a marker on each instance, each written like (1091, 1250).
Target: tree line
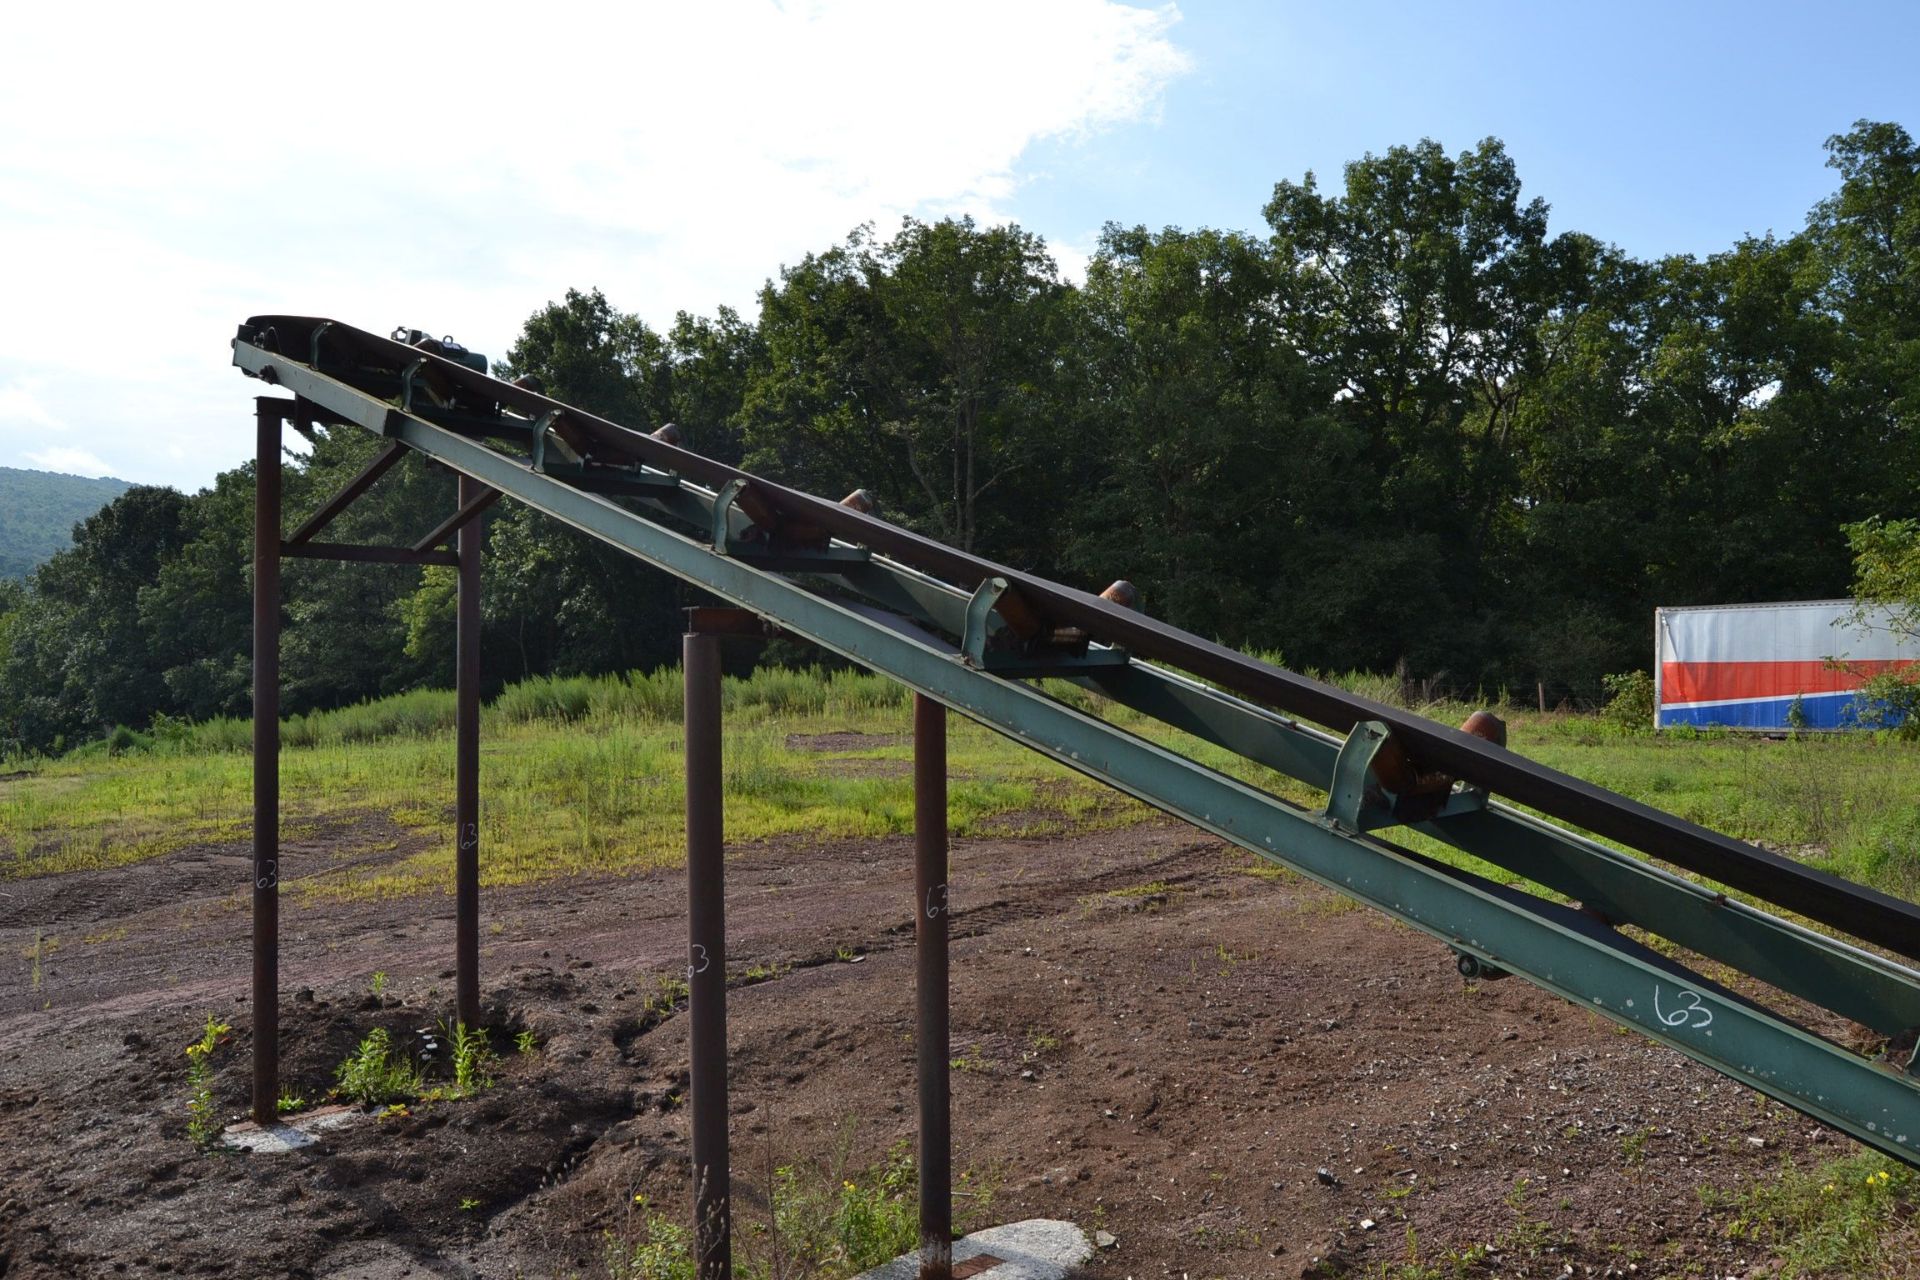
(1403, 425)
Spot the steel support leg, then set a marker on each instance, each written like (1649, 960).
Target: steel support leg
(269, 412)
(466, 804)
(707, 960)
(930, 986)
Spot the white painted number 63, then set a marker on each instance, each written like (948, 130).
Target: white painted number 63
(1691, 1014)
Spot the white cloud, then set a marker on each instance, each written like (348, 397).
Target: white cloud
(456, 169)
(75, 462)
(21, 410)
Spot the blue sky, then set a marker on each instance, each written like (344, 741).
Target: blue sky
(1664, 128)
(695, 148)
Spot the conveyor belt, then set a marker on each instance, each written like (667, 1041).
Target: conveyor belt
(1840, 904)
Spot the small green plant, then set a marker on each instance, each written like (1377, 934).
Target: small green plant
(1832, 1220)
(473, 1060)
(1797, 714)
(1889, 701)
(374, 1075)
(379, 984)
(203, 1126)
(970, 1061)
(525, 1042)
(468, 1204)
(668, 992)
(841, 1223)
(1634, 1145)
(1629, 701)
(764, 972)
(662, 1249)
(288, 1102)
(878, 1219)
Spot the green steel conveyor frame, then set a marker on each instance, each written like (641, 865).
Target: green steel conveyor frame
(949, 640)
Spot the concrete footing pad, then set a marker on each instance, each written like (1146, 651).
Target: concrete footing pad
(295, 1132)
(1037, 1249)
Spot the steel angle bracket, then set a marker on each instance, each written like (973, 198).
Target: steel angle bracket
(729, 525)
(411, 379)
(983, 627)
(541, 439)
(981, 620)
(1359, 801)
(1355, 799)
(727, 517)
(1553, 947)
(319, 332)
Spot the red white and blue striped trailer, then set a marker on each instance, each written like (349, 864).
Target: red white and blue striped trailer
(1743, 666)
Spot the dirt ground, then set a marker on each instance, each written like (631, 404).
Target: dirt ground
(1235, 1075)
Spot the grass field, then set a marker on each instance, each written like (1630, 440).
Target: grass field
(584, 775)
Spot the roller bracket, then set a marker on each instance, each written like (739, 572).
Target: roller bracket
(747, 528)
(1362, 794)
(1356, 800)
(1000, 650)
(980, 616)
(724, 504)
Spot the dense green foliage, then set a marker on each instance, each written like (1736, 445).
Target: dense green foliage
(38, 510)
(1403, 426)
(1886, 587)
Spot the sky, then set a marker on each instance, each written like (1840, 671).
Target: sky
(167, 171)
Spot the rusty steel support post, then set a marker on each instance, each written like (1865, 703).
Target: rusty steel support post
(930, 986)
(707, 960)
(466, 769)
(269, 412)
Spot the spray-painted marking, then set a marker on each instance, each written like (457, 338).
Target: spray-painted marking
(936, 901)
(269, 874)
(1691, 1014)
(701, 960)
(470, 836)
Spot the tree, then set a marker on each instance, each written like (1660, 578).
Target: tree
(1210, 473)
(1868, 238)
(1886, 591)
(923, 367)
(554, 599)
(198, 610)
(79, 659)
(1418, 293)
(605, 360)
(344, 635)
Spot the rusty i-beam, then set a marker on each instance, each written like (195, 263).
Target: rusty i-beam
(931, 1033)
(466, 766)
(271, 413)
(707, 955)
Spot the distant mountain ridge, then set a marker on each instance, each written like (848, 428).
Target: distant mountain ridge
(38, 510)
